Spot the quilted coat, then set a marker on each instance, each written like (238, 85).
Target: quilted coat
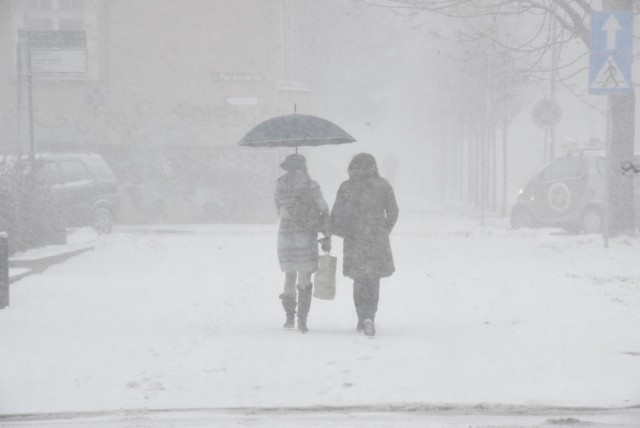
(297, 246)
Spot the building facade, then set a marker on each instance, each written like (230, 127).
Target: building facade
(162, 89)
(94, 72)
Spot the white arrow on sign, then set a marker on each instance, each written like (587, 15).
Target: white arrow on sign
(611, 26)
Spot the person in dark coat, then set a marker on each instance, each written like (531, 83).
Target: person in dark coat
(303, 213)
(364, 214)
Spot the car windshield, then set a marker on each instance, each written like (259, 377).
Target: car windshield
(50, 173)
(73, 170)
(563, 169)
(101, 169)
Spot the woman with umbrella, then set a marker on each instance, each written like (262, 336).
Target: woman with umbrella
(303, 213)
(364, 213)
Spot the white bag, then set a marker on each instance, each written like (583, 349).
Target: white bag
(324, 281)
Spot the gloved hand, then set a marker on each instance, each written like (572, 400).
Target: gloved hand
(325, 244)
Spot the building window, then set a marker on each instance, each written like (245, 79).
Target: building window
(41, 5)
(65, 24)
(62, 15)
(70, 5)
(40, 24)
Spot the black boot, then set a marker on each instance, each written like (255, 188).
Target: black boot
(304, 304)
(369, 327)
(360, 326)
(289, 305)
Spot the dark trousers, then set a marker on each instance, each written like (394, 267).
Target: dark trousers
(366, 293)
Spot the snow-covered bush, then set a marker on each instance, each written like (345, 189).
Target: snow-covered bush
(27, 207)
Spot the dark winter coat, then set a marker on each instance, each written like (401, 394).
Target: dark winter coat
(297, 245)
(364, 213)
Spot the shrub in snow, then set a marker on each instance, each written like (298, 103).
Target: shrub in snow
(28, 210)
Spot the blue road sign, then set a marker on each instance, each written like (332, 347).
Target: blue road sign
(611, 53)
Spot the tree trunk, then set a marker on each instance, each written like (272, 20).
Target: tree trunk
(505, 165)
(621, 202)
(621, 197)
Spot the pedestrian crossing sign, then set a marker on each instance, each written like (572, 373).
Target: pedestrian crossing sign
(610, 79)
(611, 53)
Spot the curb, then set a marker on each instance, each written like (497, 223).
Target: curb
(37, 261)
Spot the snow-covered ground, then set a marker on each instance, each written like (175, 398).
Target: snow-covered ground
(474, 314)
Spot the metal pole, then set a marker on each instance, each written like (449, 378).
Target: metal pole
(32, 145)
(19, 97)
(545, 156)
(4, 270)
(607, 175)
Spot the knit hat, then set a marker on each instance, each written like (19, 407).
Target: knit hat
(294, 162)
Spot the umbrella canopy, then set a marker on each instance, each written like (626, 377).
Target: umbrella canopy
(295, 130)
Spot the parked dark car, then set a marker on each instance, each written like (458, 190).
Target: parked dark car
(85, 189)
(568, 192)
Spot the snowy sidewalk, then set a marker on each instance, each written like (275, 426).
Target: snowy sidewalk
(37, 260)
(186, 321)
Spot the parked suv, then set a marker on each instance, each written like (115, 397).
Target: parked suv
(85, 189)
(568, 192)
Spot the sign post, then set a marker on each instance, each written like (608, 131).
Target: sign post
(610, 61)
(546, 114)
(48, 54)
(611, 53)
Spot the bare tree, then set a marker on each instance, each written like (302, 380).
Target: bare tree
(483, 19)
(486, 92)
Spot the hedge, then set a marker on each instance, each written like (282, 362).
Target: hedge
(28, 210)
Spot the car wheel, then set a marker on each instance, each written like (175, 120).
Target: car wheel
(592, 220)
(102, 221)
(521, 217)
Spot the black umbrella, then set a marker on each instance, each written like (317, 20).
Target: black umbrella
(293, 130)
